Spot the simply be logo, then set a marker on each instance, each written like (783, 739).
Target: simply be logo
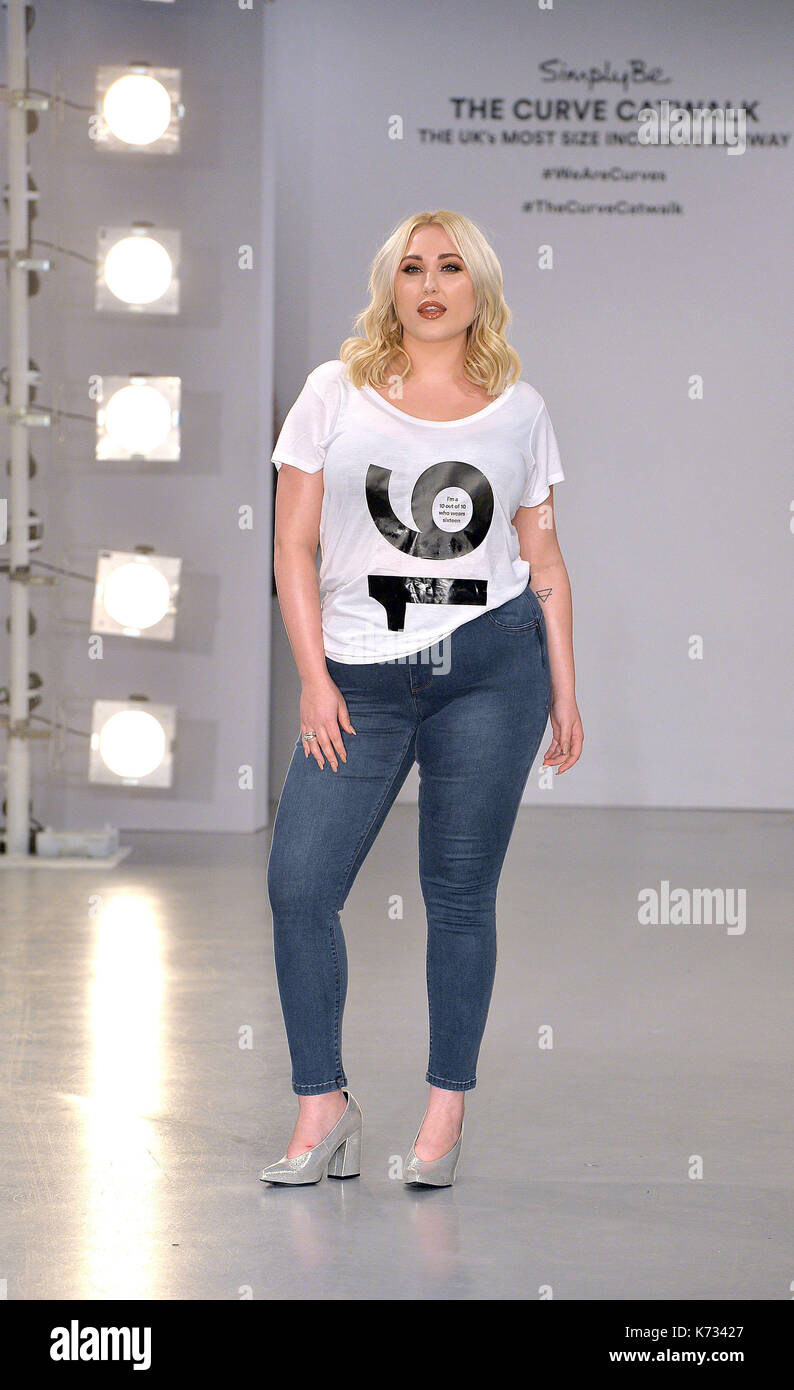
(703, 125)
(76, 1343)
(685, 907)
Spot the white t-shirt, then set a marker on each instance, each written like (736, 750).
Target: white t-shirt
(415, 529)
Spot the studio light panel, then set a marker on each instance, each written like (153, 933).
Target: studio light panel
(131, 743)
(138, 269)
(136, 595)
(138, 417)
(138, 108)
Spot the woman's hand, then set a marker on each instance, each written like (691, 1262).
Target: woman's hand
(323, 709)
(566, 746)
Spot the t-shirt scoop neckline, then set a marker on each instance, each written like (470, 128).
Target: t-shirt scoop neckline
(372, 394)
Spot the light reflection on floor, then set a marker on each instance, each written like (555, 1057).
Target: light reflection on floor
(121, 1173)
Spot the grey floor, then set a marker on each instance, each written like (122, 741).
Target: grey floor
(145, 1077)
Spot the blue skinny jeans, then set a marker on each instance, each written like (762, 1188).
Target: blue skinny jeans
(471, 711)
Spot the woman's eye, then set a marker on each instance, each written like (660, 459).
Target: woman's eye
(450, 265)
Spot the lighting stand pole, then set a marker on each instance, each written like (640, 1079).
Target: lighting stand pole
(19, 261)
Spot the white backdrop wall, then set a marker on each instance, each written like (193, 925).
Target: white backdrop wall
(218, 192)
(674, 517)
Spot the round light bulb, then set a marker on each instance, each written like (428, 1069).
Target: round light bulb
(138, 418)
(136, 595)
(132, 743)
(137, 109)
(138, 269)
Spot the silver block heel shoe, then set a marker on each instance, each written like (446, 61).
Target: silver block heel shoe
(338, 1154)
(432, 1172)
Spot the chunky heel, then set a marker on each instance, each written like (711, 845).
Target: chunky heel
(338, 1154)
(346, 1162)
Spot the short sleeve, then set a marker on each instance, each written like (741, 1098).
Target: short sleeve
(545, 466)
(307, 428)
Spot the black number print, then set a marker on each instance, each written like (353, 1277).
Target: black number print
(430, 541)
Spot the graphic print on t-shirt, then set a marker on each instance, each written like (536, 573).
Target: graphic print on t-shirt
(451, 531)
(452, 504)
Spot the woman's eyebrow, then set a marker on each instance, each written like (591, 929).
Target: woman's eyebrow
(442, 256)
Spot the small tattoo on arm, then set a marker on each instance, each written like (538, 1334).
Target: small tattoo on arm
(543, 594)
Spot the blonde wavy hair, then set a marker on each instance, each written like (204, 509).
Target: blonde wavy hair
(490, 360)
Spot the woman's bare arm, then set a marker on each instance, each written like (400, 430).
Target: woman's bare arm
(537, 534)
(299, 497)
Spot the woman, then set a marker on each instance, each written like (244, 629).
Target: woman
(423, 464)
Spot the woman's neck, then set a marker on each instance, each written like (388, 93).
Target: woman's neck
(436, 363)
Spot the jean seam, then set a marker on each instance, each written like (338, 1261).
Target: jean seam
(511, 627)
(309, 1085)
(448, 1080)
(413, 694)
(429, 1003)
(427, 976)
(337, 995)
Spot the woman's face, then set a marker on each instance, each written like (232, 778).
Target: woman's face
(432, 269)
